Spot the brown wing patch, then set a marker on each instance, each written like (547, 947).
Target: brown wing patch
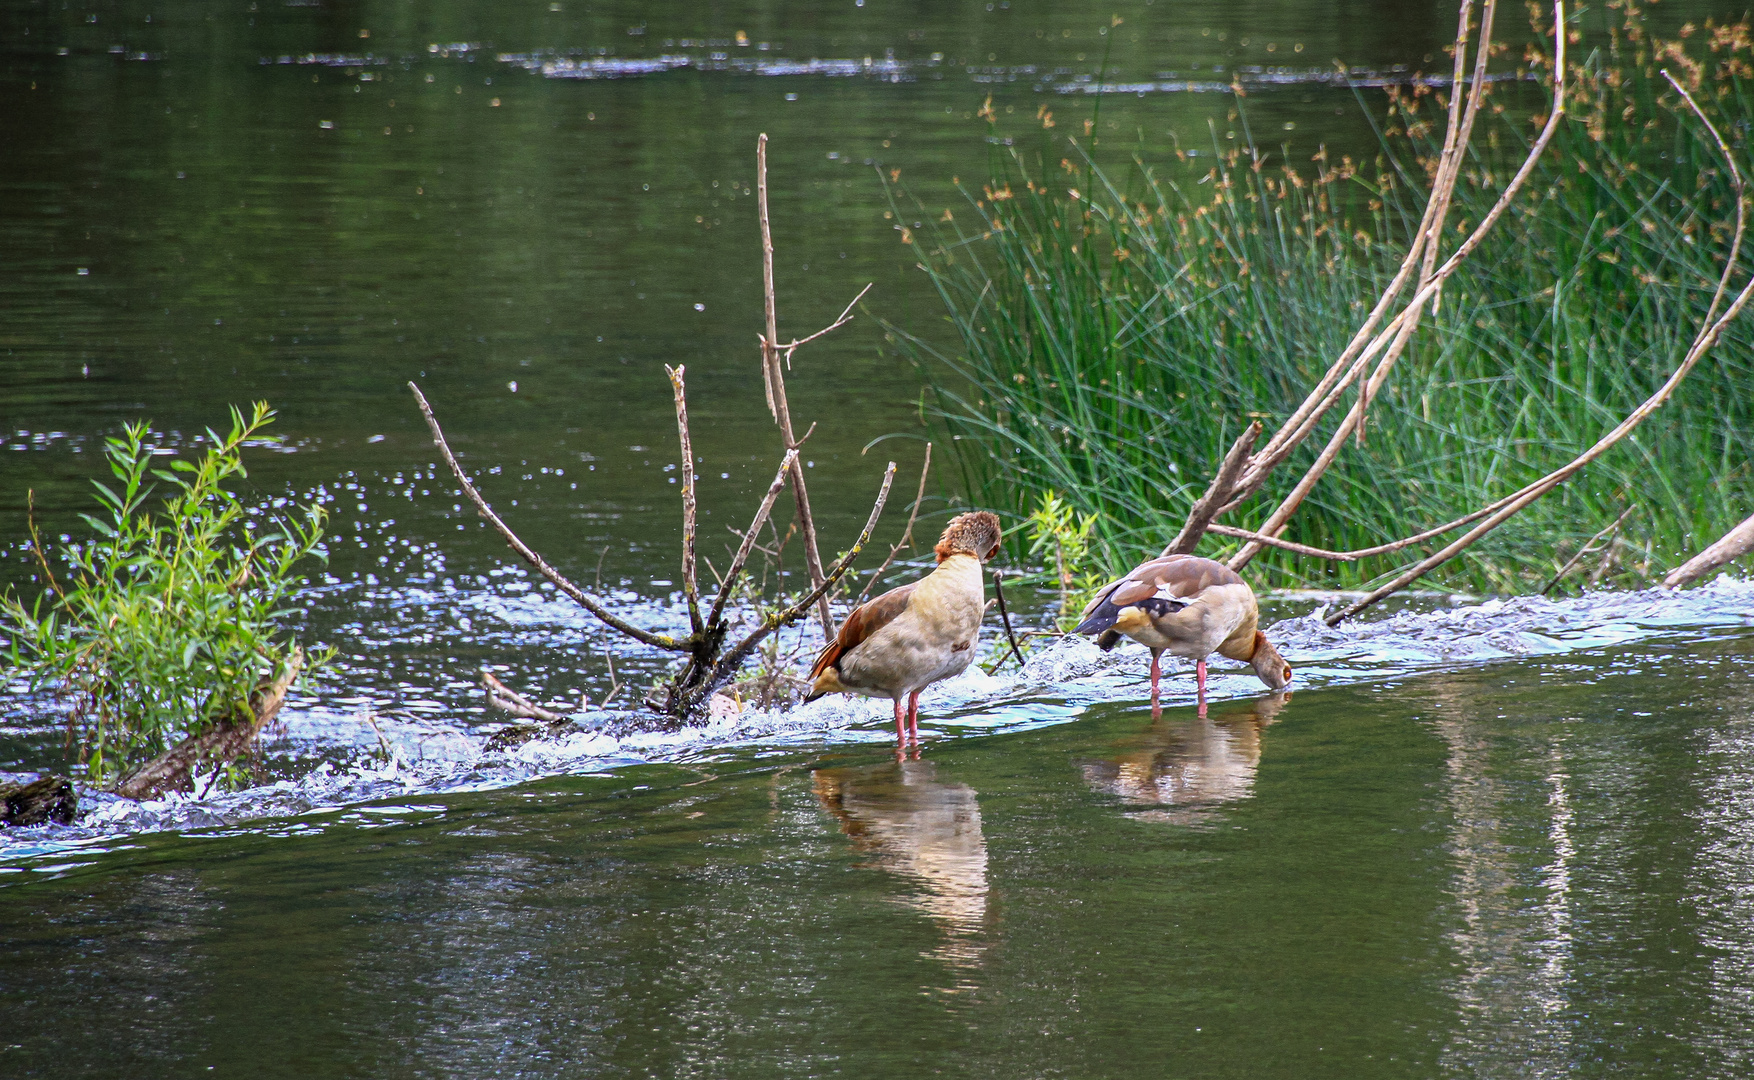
(1186, 575)
(866, 619)
(1131, 591)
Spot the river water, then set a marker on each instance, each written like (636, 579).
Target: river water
(1488, 839)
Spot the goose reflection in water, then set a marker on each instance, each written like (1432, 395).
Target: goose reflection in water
(924, 830)
(1185, 766)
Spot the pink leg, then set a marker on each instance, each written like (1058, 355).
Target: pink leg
(900, 725)
(1156, 677)
(913, 716)
(1200, 683)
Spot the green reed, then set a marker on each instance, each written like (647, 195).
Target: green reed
(1114, 329)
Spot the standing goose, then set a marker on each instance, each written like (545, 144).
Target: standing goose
(1188, 606)
(911, 637)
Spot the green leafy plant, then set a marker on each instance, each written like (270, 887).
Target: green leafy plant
(166, 623)
(1054, 526)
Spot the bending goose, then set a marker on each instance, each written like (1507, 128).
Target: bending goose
(1188, 606)
(909, 638)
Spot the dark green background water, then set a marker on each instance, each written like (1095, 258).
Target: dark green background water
(1503, 871)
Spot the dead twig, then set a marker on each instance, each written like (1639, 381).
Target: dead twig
(614, 683)
(1005, 616)
(561, 582)
(690, 586)
(504, 698)
(907, 534)
(840, 321)
(776, 389)
(1588, 546)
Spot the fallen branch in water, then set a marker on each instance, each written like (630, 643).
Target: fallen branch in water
(504, 698)
(45, 799)
(1732, 545)
(709, 664)
(174, 769)
(1709, 331)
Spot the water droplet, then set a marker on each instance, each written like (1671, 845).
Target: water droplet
(697, 307)
(512, 386)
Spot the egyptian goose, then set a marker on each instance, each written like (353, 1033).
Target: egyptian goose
(1188, 606)
(909, 638)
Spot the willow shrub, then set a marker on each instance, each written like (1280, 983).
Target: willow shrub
(162, 625)
(1114, 329)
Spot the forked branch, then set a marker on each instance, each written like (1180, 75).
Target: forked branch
(561, 581)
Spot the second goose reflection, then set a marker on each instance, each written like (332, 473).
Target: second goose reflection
(1183, 767)
(925, 830)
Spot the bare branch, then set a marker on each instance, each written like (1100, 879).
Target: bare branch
(1709, 332)
(1218, 493)
(1361, 553)
(1732, 545)
(845, 317)
(1701, 344)
(742, 556)
(727, 666)
(1588, 546)
(561, 582)
(504, 698)
(1399, 327)
(776, 391)
(907, 534)
(690, 585)
(1005, 616)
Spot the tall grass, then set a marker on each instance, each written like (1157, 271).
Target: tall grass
(1114, 328)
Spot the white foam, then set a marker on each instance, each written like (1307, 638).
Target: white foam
(1057, 684)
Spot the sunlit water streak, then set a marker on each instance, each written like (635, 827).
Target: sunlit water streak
(428, 738)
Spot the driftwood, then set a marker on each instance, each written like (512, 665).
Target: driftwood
(45, 799)
(173, 770)
(1732, 545)
(1369, 357)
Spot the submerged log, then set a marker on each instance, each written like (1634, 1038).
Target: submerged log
(47, 798)
(173, 770)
